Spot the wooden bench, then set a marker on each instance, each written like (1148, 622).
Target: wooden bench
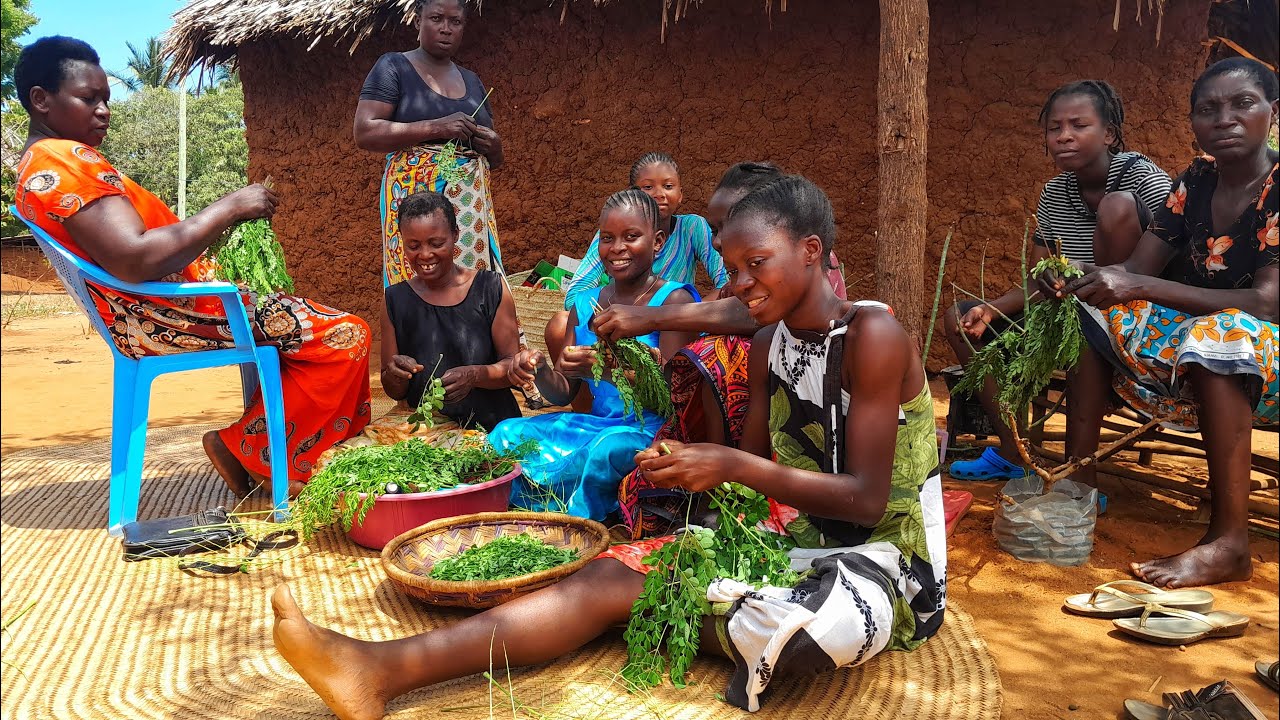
(1120, 434)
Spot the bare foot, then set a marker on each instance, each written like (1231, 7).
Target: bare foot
(224, 461)
(1221, 560)
(264, 482)
(340, 669)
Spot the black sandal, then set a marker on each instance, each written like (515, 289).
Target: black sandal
(1269, 673)
(1219, 701)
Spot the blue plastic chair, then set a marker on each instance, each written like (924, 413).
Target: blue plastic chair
(131, 396)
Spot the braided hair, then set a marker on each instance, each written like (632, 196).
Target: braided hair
(1105, 100)
(426, 204)
(653, 158)
(747, 176)
(632, 199)
(795, 204)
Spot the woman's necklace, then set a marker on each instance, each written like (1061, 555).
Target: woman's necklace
(643, 293)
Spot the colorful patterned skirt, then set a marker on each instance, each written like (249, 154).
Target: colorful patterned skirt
(417, 169)
(1150, 346)
(721, 362)
(324, 365)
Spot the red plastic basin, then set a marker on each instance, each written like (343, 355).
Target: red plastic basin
(392, 515)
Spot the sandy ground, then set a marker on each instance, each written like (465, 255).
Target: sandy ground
(56, 388)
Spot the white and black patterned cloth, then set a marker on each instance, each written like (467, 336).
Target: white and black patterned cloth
(870, 588)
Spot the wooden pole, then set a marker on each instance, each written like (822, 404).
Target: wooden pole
(182, 148)
(903, 123)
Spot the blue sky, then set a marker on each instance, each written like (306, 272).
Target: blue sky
(107, 26)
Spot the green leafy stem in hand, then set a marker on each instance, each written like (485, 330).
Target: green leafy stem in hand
(431, 403)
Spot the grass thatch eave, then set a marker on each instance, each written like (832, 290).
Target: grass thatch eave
(209, 32)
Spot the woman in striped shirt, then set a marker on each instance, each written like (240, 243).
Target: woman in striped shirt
(1093, 212)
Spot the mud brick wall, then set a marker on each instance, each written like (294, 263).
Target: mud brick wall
(577, 102)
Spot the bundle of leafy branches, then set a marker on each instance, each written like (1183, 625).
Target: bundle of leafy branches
(505, 557)
(637, 375)
(250, 256)
(670, 609)
(334, 493)
(1023, 358)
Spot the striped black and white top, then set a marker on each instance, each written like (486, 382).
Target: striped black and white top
(1063, 218)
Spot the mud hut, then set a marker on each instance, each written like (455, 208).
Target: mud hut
(582, 89)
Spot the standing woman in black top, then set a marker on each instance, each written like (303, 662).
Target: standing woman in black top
(448, 322)
(412, 106)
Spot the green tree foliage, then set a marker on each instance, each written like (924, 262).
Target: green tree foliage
(14, 21)
(143, 143)
(146, 67)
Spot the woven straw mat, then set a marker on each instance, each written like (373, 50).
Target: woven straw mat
(108, 639)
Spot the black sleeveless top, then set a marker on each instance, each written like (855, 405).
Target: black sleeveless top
(457, 335)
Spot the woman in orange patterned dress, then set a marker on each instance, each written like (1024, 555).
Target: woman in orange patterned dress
(72, 192)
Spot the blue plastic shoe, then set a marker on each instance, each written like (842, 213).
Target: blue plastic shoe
(988, 466)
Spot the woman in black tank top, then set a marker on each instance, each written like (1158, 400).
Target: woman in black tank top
(448, 322)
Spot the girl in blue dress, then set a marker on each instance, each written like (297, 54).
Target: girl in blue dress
(583, 456)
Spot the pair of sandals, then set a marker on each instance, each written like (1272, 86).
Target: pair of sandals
(1167, 617)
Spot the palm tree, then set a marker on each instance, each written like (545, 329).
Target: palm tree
(146, 67)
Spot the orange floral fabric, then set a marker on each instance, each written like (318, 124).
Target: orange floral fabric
(324, 353)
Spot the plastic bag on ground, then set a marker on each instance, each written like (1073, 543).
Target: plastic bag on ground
(1054, 527)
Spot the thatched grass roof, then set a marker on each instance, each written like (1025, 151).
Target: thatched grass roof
(208, 32)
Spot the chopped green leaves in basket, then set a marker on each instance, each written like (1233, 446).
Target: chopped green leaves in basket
(250, 256)
(411, 466)
(501, 558)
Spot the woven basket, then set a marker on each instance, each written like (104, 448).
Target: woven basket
(534, 308)
(408, 558)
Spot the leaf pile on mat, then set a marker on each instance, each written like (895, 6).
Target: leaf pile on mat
(411, 465)
(637, 375)
(250, 256)
(505, 557)
(670, 609)
(1023, 358)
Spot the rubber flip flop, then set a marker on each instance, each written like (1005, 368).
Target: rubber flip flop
(1108, 601)
(1171, 626)
(988, 466)
(1269, 673)
(1140, 710)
